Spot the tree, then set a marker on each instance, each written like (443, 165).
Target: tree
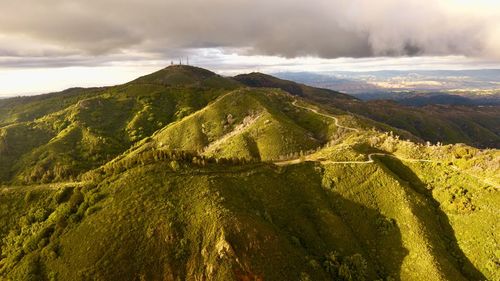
(353, 268)
(175, 165)
(350, 268)
(76, 199)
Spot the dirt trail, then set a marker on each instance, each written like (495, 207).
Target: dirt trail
(370, 156)
(294, 103)
(309, 158)
(369, 161)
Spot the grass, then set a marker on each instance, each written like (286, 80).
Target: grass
(171, 177)
(60, 136)
(273, 133)
(435, 123)
(234, 222)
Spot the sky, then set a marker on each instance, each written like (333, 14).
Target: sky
(50, 45)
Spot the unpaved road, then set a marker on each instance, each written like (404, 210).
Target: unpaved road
(369, 161)
(370, 156)
(309, 158)
(294, 103)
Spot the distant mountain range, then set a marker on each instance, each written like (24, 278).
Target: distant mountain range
(479, 87)
(183, 174)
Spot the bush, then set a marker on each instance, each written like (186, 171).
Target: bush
(349, 268)
(63, 194)
(353, 268)
(76, 199)
(34, 242)
(29, 196)
(29, 270)
(175, 165)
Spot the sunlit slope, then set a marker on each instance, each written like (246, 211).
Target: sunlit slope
(94, 126)
(246, 123)
(29, 108)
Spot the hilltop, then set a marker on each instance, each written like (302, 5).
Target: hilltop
(261, 80)
(184, 174)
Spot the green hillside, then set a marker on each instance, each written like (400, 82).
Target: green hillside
(187, 175)
(43, 141)
(246, 123)
(476, 126)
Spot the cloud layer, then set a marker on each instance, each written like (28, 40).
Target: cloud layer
(83, 32)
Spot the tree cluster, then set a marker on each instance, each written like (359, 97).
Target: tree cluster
(348, 268)
(44, 173)
(180, 156)
(297, 154)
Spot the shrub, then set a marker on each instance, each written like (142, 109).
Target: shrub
(30, 195)
(353, 268)
(175, 165)
(29, 270)
(34, 242)
(349, 268)
(63, 194)
(76, 199)
(92, 210)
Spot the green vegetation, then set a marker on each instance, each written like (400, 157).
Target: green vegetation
(187, 175)
(55, 143)
(436, 123)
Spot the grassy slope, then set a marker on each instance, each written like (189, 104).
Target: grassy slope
(447, 124)
(247, 123)
(21, 109)
(144, 218)
(229, 223)
(85, 129)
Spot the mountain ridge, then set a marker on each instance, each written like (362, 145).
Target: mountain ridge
(476, 126)
(187, 175)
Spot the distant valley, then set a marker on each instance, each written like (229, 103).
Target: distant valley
(472, 87)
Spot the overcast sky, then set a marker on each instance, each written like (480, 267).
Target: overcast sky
(48, 45)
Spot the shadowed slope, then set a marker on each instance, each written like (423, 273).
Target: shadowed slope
(260, 80)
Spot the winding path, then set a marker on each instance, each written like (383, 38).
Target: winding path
(294, 103)
(370, 160)
(309, 158)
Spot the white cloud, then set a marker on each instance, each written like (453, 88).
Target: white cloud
(290, 28)
(25, 81)
(110, 36)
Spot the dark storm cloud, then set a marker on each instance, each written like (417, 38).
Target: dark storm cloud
(290, 28)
